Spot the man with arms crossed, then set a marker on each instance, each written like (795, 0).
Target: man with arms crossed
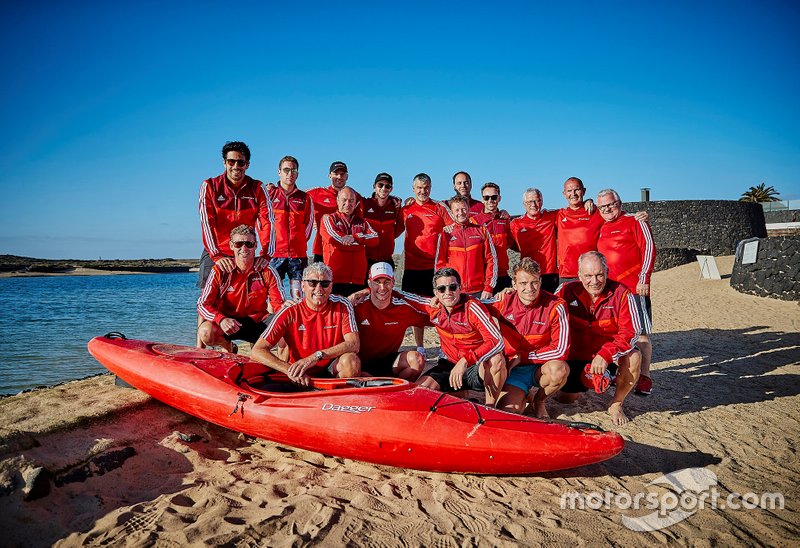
(293, 213)
(604, 328)
(320, 333)
(382, 322)
(233, 303)
(535, 329)
(630, 253)
(325, 202)
(471, 342)
(227, 201)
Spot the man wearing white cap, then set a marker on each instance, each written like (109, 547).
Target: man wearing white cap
(382, 322)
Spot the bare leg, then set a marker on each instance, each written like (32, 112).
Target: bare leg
(627, 375)
(347, 366)
(645, 346)
(199, 342)
(551, 376)
(494, 377)
(409, 365)
(419, 336)
(210, 334)
(513, 400)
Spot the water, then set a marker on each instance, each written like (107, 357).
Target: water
(45, 322)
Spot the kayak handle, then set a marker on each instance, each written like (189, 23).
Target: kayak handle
(115, 335)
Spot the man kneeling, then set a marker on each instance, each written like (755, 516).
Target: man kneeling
(320, 333)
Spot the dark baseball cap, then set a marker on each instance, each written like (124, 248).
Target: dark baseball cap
(384, 177)
(337, 165)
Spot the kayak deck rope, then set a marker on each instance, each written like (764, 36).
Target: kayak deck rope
(242, 398)
(475, 407)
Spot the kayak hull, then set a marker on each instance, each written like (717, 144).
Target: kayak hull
(395, 423)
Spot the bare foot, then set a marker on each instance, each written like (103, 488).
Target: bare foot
(617, 416)
(540, 410)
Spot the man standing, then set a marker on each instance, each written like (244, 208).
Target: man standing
(498, 226)
(382, 211)
(423, 220)
(534, 236)
(535, 329)
(469, 249)
(462, 184)
(604, 328)
(345, 237)
(293, 219)
(320, 333)
(227, 201)
(382, 322)
(325, 202)
(471, 342)
(630, 252)
(578, 230)
(233, 303)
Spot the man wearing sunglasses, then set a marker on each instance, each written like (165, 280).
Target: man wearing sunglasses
(294, 218)
(630, 253)
(345, 238)
(498, 226)
(320, 333)
(234, 302)
(325, 202)
(469, 249)
(604, 328)
(471, 342)
(535, 329)
(227, 201)
(382, 211)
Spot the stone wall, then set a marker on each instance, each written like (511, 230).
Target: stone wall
(683, 229)
(776, 272)
(782, 216)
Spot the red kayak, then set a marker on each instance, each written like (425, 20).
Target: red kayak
(379, 420)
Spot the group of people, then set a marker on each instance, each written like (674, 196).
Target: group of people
(574, 313)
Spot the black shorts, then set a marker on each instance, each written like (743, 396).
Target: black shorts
(502, 283)
(441, 374)
(381, 367)
(574, 384)
(206, 264)
(251, 330)
(645, 310)
(550, 282)
(419, 282)
(292, 266)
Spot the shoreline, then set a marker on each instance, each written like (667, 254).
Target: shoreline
(82, 271)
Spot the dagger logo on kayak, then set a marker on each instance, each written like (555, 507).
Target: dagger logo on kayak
(348, 408)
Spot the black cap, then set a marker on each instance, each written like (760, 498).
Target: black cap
(384, 177)
(337, 165)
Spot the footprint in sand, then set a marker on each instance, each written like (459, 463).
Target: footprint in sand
(475, 524)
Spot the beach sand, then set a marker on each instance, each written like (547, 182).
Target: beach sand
(126, 470)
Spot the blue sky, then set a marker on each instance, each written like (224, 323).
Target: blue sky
(114, 113)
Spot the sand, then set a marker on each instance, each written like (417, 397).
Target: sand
(126, 470)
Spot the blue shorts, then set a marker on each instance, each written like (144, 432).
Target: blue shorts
(523, 377)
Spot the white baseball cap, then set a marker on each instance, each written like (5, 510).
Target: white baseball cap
(381, 270)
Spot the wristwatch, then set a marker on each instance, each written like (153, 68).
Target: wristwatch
(318, 355)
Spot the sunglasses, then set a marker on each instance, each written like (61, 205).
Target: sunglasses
(288, 170)
(232, 162)
(608, 207)
(491, 197)
(314, 283)
(247, 243)
(443, 288)
(384, 185)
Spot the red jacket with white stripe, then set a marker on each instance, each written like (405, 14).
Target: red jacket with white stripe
(629, 250)
(609, 327)
(468, 331)
(324, 199)
(538, 332)
(348, 261)
(237, 294)
(469, 249)
(223, 208)
(387, 222)
(294, 219)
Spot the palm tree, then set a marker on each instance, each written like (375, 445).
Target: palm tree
(760, 193)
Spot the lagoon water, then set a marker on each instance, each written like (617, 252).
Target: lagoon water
(45, 322)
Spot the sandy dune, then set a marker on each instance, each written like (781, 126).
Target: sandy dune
(127, 470)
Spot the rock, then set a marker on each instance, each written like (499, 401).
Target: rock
(37, 483)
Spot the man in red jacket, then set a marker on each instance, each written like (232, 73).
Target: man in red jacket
(535, 329)
(630, 252)
(293, 213)
(227, 201)
(498, 225)
(534, 236)
(325, 202)
(234, 303)
(604, 328)
(578, 230)
(471, 342)
(462, 184)
(345, 237)
(383, 212)
(469, 249)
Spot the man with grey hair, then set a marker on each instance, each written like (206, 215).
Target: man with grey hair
(534, 236)
(320, 332)
(604, 329)
(630, 253)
